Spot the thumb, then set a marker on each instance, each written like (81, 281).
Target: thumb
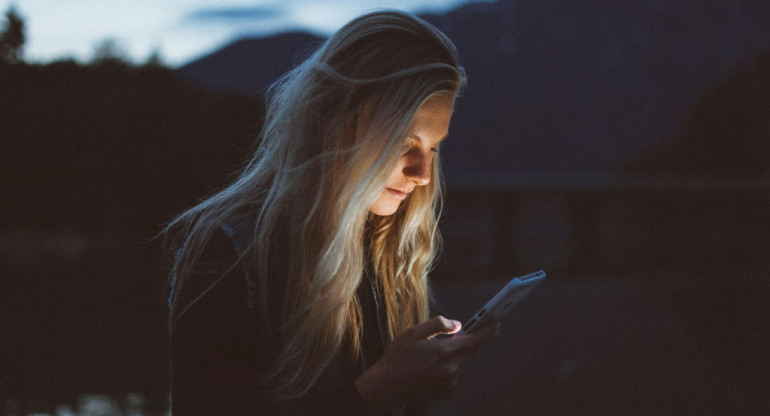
(435, 326)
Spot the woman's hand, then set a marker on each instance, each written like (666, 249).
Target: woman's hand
(419, 366)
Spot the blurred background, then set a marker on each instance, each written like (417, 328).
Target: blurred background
(623, 147)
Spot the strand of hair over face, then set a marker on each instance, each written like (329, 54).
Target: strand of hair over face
(332, 73)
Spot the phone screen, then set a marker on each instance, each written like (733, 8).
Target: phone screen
(500, 304)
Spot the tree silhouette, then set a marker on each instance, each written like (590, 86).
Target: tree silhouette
(155, 59)
(12, 38)
(110, 51)
(112, 145)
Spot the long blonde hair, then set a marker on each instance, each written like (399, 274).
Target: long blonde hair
(334, 129)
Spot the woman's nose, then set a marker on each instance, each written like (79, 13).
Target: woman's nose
(418, 168)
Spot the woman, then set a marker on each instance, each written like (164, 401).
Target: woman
(302, 287)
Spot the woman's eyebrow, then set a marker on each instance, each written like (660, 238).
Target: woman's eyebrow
(416, 137)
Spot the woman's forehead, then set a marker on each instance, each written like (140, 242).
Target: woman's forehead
(431, 121)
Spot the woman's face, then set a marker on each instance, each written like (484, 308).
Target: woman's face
(430, 126)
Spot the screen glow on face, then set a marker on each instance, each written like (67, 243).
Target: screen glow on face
(413, 168)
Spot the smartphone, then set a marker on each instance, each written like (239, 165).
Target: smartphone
(511, 294)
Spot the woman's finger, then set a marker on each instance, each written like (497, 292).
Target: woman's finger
(434, 326)
(464, 343)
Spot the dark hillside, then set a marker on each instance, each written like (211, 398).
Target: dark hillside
(112, 146)
(250, 65)
(555, 88)
(726, 133)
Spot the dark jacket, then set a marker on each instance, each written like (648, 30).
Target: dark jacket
(221, 344)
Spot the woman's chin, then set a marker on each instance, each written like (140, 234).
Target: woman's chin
(384, 208)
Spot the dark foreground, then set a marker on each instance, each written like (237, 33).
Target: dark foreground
(670, 347)
(575, 346)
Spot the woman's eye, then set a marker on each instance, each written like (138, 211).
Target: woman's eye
(434, 150)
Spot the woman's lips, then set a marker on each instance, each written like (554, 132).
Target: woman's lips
(395, 193)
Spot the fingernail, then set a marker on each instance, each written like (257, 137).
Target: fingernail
(456, 324)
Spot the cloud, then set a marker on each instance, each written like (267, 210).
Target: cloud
(234, 14)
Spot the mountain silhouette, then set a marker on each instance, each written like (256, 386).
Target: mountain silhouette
(556, 89)
(250, 65)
